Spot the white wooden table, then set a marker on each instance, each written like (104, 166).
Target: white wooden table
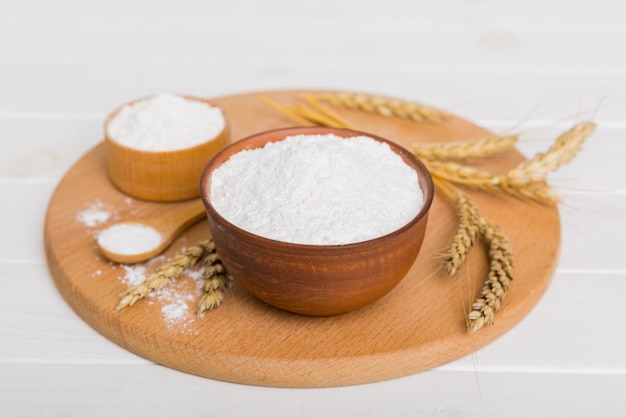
(534, 67)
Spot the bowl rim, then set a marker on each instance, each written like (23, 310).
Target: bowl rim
(422, 171)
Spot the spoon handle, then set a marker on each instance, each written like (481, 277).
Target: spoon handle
(173, 224)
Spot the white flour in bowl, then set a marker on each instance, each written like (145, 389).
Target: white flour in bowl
(317, 189)
(166, 122)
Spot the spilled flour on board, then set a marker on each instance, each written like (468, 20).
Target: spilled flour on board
(176, 300)
(94, 215)
(175, 309)
(99, 213)
(134, 274)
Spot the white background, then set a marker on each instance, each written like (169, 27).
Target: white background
(530, 66)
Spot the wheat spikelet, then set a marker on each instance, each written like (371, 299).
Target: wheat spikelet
(466, 233)
(462, 150)
(498, 280)
(462, 174)
(468, 176)
(564, 149)
(385, 107)
(213, 295)
(215, 283)
(164, 274)
(536, 191)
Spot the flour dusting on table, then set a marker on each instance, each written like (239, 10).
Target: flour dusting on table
(94, 215)
(134, 275)
(178, 304)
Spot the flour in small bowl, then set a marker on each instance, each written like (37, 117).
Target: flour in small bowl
(317, 189)
(166, 122)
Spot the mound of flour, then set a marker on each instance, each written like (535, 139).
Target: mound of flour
(166, 122)
(317, 189)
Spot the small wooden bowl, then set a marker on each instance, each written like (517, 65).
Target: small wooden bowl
(316, 280)
(161, 176)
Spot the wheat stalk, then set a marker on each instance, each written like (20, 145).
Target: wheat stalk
(329, 117)
(462, 150)
(286, 110)
(498, 280)
(528, 179)
(385, 107)
(314, 114)
(484, 180)
(500, 252)
(165, 274)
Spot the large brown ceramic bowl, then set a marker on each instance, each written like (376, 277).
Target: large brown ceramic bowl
(317, 280)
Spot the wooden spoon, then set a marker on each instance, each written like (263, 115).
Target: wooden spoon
(138, 240)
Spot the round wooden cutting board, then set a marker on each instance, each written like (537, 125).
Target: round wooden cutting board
(419, 325)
